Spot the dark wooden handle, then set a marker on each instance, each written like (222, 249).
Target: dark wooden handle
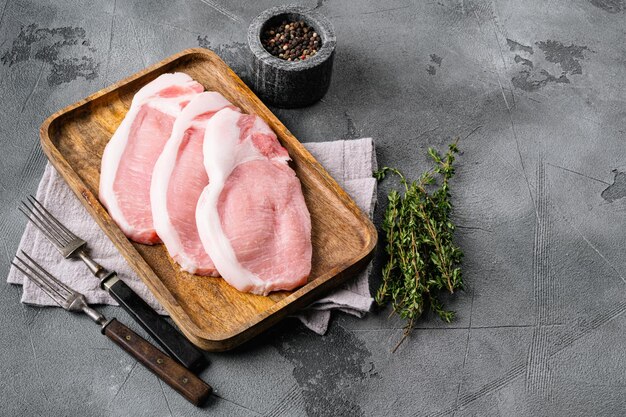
(171, 372)
(174, 343)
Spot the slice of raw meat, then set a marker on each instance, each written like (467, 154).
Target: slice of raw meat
(177, 181)
(130, 155)
(252, 217)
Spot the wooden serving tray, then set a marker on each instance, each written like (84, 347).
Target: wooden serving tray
(211, 313)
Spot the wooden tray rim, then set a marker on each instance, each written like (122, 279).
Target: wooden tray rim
(148, 276)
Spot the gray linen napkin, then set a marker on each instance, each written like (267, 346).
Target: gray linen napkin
(350, 162)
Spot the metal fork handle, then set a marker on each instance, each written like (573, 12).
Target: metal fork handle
(170, 339)
(175, 375)
(95, 268)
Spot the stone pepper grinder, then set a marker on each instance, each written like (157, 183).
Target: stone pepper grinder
(291, 84)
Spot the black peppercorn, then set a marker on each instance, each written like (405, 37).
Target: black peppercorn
(291, 41)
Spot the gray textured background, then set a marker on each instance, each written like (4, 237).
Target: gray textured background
(539, 200)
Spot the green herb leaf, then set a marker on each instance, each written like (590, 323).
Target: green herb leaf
(422, 257)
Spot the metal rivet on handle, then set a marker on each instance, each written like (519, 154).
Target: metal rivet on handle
(185, 380)
(128, 337)
(159, 361)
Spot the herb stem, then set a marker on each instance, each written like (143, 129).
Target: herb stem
(422, 257)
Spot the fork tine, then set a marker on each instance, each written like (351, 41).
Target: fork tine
(50, 278)
(44, 285)
(62, 228)
(35, 220)
(47, 222)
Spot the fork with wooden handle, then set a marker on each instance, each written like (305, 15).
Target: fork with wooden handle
(171, 372)
(71, 246)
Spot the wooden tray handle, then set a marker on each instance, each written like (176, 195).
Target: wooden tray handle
(171, 372)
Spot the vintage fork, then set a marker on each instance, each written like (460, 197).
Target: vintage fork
(71, 246)
(171, 372)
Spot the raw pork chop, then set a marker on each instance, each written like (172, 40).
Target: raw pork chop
(252, 218)
(177, 181)
(130, 155)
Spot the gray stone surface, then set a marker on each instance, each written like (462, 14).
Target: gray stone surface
(539, 200)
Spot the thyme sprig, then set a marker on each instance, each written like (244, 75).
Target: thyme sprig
(422, 257)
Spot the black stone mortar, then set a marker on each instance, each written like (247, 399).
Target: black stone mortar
(291, 84)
